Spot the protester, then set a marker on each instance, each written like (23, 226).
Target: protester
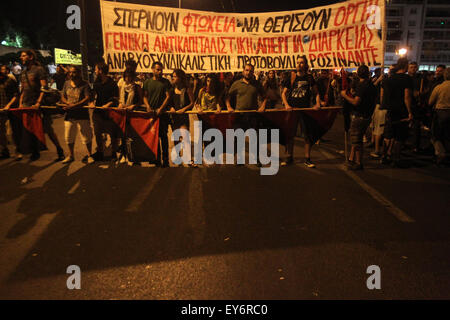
(438, 76)
(228, 80)
(364, 105)
(417, 110)
(75, 95)
(209, 96)
(440, 99)
(246, 92)
(397, 93)
(323, 86)
(272, 90)
(182, 100)
(156, 99)
(130, 93)
(106, 94)
(299, 93)
(60, 77)
(379, 115)
(8, 98)
(33, 79)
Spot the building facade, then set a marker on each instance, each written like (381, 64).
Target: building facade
(422, 27)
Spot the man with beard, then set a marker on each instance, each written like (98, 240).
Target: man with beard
(299, 93)
(106, 95)
(33, 78)
(75, 95)
(245, 93)
(8, 97)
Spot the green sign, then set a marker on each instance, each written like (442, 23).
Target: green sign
(67, 57)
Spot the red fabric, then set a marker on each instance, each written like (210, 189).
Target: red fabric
(119, 118)
(32, 121)
(147, 127)
(324, 118)
(222, 121)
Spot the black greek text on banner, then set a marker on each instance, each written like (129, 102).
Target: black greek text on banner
(342, 35)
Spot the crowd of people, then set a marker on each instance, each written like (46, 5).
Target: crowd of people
(382, 110)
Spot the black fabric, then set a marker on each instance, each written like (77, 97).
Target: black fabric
(394, 94)
(301, 91)
(367, 92)
(105, 92)
(60, 79)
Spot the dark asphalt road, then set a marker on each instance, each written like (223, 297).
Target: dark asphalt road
(224, 232)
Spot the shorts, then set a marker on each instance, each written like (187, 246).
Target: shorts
(394, 129)
(70, 131)
(379, 119)
(358, 128)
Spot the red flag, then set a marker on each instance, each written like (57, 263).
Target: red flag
(32, 137)
(119, 116)
(143, 127)
(221, 121)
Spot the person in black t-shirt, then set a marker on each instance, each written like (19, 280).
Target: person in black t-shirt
(299, 92)
(107, 95)
(33, 79)
(397, 97)
(417, 109)
(364, 105)
(60, 77)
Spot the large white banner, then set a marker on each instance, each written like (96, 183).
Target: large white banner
(342, 35)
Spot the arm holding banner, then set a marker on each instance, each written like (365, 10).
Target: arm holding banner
(164, 104)
(191, 99)
(353, 100)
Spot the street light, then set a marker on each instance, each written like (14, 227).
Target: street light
(402, 52)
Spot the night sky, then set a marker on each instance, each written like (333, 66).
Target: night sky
(44, 21)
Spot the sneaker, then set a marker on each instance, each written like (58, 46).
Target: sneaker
(287, 162)
(375, 155)
(309, 164)
(18, 157)
(123, 159)
(88, 159)
(68, 159)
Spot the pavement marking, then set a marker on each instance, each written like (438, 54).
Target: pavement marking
(145, 192)
(392, 208)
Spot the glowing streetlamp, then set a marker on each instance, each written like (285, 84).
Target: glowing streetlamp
(402, 52)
